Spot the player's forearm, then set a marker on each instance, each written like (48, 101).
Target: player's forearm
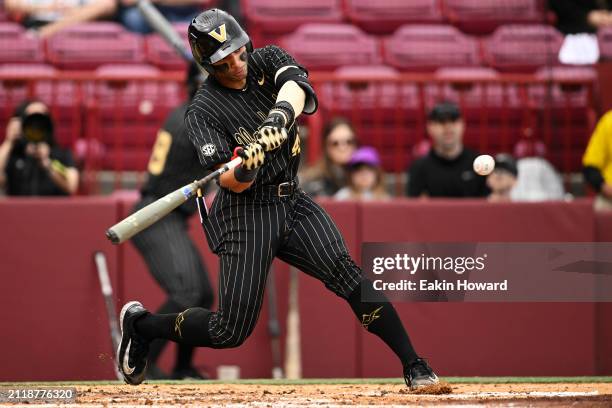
(292, 93)
(228, 181)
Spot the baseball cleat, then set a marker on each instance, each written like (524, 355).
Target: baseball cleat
(133, 349)
(419, 374)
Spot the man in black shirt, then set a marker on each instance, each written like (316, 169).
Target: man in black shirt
(447, 170)
(31, 162)
(248, 106)
(170, 254)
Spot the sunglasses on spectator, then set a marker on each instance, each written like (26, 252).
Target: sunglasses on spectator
(348, 142)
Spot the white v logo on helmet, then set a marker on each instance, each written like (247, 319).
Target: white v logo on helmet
(220, 36)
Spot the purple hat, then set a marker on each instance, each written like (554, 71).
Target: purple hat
(365, 155)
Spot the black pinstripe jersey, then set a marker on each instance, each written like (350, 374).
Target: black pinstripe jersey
(220, 119)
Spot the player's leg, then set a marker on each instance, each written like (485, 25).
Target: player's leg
(246, 252)
(177, 266)
(315, 246)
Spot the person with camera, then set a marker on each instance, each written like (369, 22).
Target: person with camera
(31, 163)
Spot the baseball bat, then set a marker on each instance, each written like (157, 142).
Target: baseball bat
(155, 211)
(159, 23)
(274, 326)
(293, 351)
(107, 293)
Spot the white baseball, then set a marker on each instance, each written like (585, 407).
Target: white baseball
(484, 164)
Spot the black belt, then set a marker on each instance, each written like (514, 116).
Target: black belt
(285, 189)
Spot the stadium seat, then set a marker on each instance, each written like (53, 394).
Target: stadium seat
(385, 112)
(88, 46)
(522, 48)
(330, 46)
(494, 113)
(125, 108)
(268, 20)
(385, 16)
(484, 16)
(17, 46)
(162, 55)
(428, 47)
(604, 36)
(31, 81)
(564, 105)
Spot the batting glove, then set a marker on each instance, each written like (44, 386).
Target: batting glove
(252, 159)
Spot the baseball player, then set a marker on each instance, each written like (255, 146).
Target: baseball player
(248, 107)
(171, 256)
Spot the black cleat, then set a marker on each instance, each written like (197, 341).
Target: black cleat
(133, 349)
(419, 374)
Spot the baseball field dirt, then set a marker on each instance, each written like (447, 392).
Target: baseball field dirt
(353, 393)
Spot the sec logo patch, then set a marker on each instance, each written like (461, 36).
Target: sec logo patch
(208, 149)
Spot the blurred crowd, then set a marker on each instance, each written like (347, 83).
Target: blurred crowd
(31, 163)
(46, 17)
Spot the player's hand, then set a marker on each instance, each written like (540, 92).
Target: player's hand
(252, 156)
(272, 133)
(271, 138)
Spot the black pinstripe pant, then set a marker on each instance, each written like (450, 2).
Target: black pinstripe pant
(247, 231)
(173, 259)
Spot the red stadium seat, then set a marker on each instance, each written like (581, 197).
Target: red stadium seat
(124, 110)
(36, 82)
(495, 114)
(604, 36)
(385, 113)
(565, 110)
(428, 47)
(484, 16)
(17, 46)
(162, 55)
(522, 48)
(267, 20)
(87, 46)
(329, 46)
(385, 16)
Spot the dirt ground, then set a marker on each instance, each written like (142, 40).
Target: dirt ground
(319, 395)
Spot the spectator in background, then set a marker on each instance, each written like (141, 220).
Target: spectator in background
(447, 170)
(175, 11)
(503, 179)
(365, 177)
(597, 162)
(31, 164)
(328, 175)
(537, 178)
(581, 16)
(51, 16)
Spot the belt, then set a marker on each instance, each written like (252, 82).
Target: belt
(285, 189)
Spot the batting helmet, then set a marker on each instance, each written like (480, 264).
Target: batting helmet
(213, 35)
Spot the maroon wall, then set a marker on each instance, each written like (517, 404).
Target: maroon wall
(468, 338)
(603, 311)
(55, 325)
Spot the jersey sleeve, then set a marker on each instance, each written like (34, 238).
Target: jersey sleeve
(208, 138)
(275, 58)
